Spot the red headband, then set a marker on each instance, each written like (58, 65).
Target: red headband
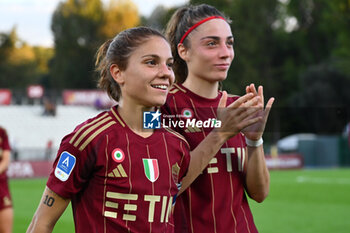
(197, 24)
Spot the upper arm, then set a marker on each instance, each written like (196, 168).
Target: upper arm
(50, 209)
(5, 159)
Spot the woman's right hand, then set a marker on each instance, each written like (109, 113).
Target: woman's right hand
(238, 115)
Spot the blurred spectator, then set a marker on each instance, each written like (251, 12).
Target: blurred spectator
(49, 107)
(98, 104)
(48, 150)
(14, 149)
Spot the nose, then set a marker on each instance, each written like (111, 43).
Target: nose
(226, 51)
(167, 72)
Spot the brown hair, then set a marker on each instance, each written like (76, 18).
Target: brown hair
(182, 20)
(117, 51)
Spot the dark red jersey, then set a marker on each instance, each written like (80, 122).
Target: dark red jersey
(216, 200)
(4, 145)
(117, 180)
(5, 196)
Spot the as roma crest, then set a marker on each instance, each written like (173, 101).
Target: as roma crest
(151, 169)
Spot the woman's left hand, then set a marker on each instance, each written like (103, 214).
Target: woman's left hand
(254, 132)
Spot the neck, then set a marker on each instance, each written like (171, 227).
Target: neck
(132, 115)
(202, 87)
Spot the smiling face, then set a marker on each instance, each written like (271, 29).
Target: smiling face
(210, 53)
(148, 75)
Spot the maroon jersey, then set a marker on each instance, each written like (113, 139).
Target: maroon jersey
(5, 197)
(216, 200)
(117, 180)
(4, 145)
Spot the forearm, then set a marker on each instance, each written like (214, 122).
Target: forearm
(49, 211)
(37, 227)
(201, 156)
(257, 177)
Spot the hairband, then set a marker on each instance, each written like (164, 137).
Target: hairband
(197, 24)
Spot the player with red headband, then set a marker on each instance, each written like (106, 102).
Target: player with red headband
(202, 46)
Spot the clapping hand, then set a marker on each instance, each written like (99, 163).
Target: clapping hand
(255, 131)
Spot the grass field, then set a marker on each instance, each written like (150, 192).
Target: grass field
(26, 194)
(303, 201)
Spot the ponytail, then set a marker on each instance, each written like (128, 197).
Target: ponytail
(106, 81)
(173, 34)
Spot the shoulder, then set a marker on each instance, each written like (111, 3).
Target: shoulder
(90, 130)
(176, 96)
(3, 132)
(175, 135)
(177, 89)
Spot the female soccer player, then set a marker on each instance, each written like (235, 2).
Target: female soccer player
(202, 46)
(119, 176)
(6, 211)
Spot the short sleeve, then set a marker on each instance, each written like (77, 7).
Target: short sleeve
(71, 170)
(5, 141)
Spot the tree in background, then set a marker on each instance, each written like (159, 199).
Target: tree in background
(322, 41)
(76, 28)
(119, 15)
(21, 64)
(79, 27)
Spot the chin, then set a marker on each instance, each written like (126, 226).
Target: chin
(217, 77)
(222, 78)
(156, 103)
(160, 103)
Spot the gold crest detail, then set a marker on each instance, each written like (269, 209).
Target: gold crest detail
(175, 170)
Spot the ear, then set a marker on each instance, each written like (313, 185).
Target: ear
(116, 74)
(182, 51)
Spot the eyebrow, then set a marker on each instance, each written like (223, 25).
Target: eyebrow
(156, 56)
(215, 37)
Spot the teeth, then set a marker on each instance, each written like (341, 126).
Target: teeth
(163, 87)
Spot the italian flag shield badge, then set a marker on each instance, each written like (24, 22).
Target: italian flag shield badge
(151, 169)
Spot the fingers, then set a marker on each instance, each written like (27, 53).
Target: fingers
(261, 93)
(223, 100)
(251, 121)
(252, 88)
(241, 100)
(268, 108)
(248, 110)
(251, 102)
(242, 104)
